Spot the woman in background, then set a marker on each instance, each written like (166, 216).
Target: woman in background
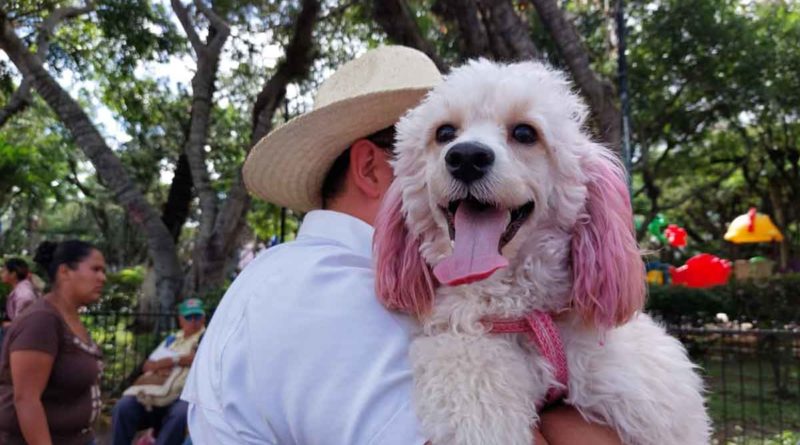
(50, 367)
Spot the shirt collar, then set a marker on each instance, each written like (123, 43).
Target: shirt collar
(340, 227)
(179, 334)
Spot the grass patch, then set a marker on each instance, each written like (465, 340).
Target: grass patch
(754, 393)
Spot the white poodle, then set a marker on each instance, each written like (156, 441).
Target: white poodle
(508, 234)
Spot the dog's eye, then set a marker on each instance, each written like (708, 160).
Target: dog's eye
(445, 133)
(524, 134)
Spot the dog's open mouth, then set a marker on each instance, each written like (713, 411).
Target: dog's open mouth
(517, 217)
(479, 231)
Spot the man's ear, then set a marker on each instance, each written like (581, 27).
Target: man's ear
(369, 171)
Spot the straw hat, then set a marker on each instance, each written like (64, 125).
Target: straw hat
(288, 166)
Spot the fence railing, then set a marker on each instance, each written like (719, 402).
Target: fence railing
(127, 339)
(753, 379)
(752, 375)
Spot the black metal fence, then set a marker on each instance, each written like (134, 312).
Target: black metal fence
(752, 375)
(127, 339)
(753, 379)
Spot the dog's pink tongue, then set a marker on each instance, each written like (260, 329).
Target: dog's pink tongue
(475, 254)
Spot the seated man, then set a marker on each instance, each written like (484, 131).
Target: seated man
(164, 372)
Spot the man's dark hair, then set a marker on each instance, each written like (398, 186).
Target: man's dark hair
(18, 267)
(334, 180)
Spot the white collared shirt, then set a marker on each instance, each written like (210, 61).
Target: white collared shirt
(301, 352)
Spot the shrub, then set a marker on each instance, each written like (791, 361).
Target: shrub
(122, 290)
(769, 303)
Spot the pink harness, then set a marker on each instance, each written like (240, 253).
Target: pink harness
(540, 330)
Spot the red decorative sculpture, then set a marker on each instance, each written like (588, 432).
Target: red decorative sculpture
(702, 270)
(676, 236)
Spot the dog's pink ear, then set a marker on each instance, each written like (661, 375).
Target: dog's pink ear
(609, 277)
(403, 280)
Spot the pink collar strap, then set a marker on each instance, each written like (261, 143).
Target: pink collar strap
(541, 331)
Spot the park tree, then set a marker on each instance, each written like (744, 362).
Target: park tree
(713, 87)
(715, 114)
(220, 221)
(451, 31)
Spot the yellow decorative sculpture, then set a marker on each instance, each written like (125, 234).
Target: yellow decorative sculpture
(753, 227)
(655, 277)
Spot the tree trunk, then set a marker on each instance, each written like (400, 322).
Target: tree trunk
(21, 99)
(474, 41)
(509, 34)
(175, 211)
(778, 204)
(208, 269)
(109, 168)
(599, 93)
(489, 28)
(207, 54)
(17, 103)
(397, 21)
(202, 94)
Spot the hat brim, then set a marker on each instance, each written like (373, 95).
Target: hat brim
(192, 311)
(288, 166)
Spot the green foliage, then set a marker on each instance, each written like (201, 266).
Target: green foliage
(714, 90)
(138, 29)
(265, 221)
(771, 303)
(116, 38)
(229, 136)
(212, 297)
(35, 174)
(31, 159)
(122, 290)
(125, 344)
(4, 291)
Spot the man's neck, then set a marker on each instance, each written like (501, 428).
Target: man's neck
(360, 210)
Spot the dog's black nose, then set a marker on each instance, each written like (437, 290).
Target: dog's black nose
(469, 161)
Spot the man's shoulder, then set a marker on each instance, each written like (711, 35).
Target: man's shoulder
(27, 286)
(290, 274)
(299, 258)
(303, 247)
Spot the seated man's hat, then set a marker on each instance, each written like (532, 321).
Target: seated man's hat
(191, 306)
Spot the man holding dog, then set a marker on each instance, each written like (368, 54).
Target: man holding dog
(300, 351)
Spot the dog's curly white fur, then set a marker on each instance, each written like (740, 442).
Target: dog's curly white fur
(575, 256)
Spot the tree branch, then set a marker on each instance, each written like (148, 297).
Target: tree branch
(222, 30)
(397, 21)
(507, 26)
(474, 40)
(17, 103)
(599, 93)
(109, 168)
(338, 10)
(299, 56)
(21, 99)
(48, 26)
(701, 189)
(200, 121)
(188, 26)
(176, 209)
(295, 64)
(73, 178)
